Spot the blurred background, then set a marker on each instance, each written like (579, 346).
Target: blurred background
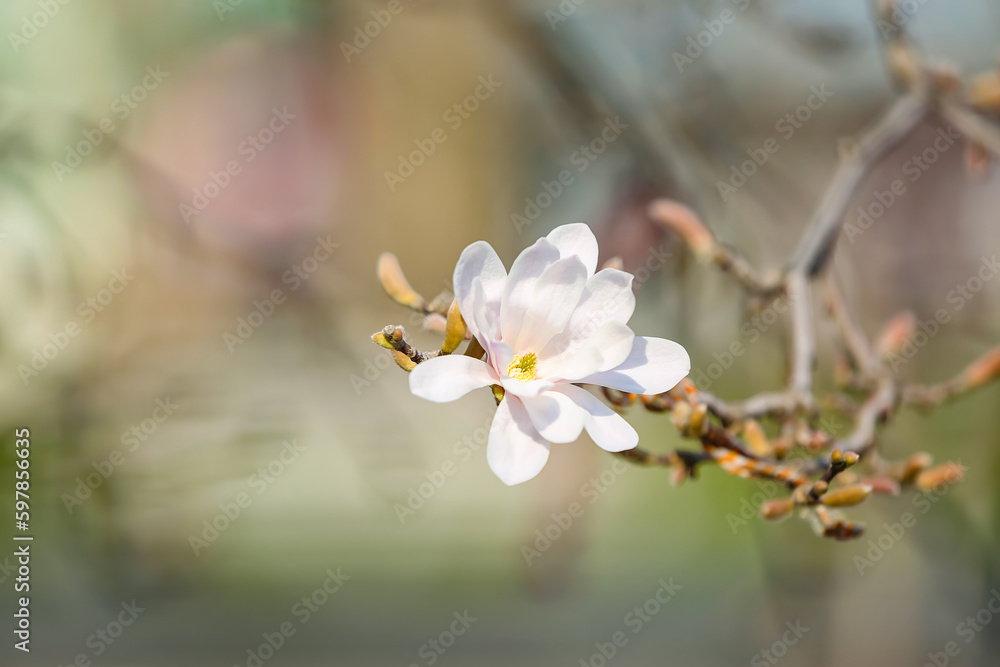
(192, 199)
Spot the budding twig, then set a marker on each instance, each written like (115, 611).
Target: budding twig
(816, 246)
(977, 374)
(392, 338)
(685, 223)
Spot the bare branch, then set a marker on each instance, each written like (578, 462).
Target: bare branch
(817, 242)
(978, 374)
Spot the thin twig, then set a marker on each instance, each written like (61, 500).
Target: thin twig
(972, 125)
(977, 374)
(816, 245)
(857, 342)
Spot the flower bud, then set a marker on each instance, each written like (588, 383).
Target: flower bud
(699, 420)
(948, 473)
(782, 447)
(753, 435)
(800, 494)
(454, 331)
(403, 361)
(883, 485)
(382, 340)
(977, 160)
(895, 334)
(614, 263)
(846, 496)
(680, 415)
(390, 274)
(984, 91)
(982, 370)
(844, 530)
(686, 224)
(435, 322)
(913, 466)
(657, 402)
(777, 509)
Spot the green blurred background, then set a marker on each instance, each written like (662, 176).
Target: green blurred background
(365, 446)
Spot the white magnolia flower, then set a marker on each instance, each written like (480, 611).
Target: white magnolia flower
(551, 324)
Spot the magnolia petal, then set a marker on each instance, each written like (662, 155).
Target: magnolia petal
(605, 349)
(499, 356)
(654, 366)
(576, 239)
(516, 452)
(524, 274)
(608, 297)
(485, 319)
(444, 379)
(607, 428)
(556, 294)
(478, 260)
(556, 417)
(528, 389)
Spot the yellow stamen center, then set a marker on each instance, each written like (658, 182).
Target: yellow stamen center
(523, 367)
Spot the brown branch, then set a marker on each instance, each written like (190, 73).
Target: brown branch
(803, 338)
(872, 413)
(393, 338)
(816, 245)
(764, 404)
(858, 345)
(978, 374)
(684, 222)
(972, 125)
